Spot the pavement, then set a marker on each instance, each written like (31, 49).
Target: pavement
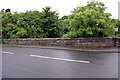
(108, 50)
(22, 62)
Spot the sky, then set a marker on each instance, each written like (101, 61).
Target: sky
(64, 7)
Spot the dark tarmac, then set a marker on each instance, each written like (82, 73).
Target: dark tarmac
(17, 63)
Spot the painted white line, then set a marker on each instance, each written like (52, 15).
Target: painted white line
(7, 52)
(80, 61)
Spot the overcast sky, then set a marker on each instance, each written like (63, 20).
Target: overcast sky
(62, 6)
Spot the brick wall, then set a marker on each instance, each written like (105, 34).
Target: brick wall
(68, 42)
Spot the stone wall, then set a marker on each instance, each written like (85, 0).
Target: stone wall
(67, 42)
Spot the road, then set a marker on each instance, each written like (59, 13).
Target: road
(48, 63)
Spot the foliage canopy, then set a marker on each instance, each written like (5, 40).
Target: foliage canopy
(84, 21)
(90, 21)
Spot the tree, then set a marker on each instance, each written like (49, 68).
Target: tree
(31, 24)
(31, 21)
(51, 23)
(6, 19)
(84, 21)
(10, 28)
(116, 23)
(65, 24)
(14, 31)
(90, 21)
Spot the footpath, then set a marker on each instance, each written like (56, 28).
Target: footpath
(107, 50)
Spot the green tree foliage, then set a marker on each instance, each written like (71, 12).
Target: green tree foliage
(30, 24)
(14, 31)
(116, 23)
(84, 21)
(51, 23)
(31, 21)
(90, 21)
(64, 23)
(9, 27)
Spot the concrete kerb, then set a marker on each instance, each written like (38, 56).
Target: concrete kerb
(69, 48)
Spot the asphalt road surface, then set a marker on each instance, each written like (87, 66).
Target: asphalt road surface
(48, 63)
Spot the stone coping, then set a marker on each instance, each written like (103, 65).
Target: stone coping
(64, 38)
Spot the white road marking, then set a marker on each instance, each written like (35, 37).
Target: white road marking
(7, 52)
(80, 61)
